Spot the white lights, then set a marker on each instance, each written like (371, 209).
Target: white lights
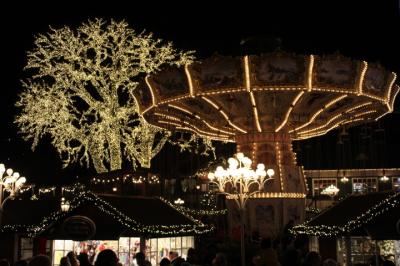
(11, 182)
(179, 201)
(235, 183)
(236, 180)
(100, 133)
(64, 205)
(344, 179)
(384, 178)
(331, 191)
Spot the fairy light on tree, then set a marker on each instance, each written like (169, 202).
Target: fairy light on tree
(237, 181)
(81, 93)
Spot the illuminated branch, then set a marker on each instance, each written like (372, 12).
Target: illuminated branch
(81, 93)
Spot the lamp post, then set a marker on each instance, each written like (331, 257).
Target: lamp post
(235, 182)
(11, 183)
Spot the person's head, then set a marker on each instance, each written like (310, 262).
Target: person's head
(140, 257)
(165, 262)
(65, 261)
(4, 262)
(313, 258)
(83, 258)
(329, 262)
(40, 260)
(191, 252)
(73, 259)
(106, 257)
(220, 260)
(173, 255)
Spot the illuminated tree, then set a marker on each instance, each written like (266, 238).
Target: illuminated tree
(80, 93)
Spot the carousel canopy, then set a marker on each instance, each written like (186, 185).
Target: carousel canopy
(304, 96)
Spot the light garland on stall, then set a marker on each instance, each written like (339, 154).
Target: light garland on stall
(198, 212)
(134, 179)
(334, 230)
(88, 197)
(46, 190)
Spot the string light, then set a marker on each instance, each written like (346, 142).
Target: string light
(85, 198)
(96, 129)
(385, 205)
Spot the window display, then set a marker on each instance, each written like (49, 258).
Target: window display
(320, 184)
(125, 247)
(363, 185)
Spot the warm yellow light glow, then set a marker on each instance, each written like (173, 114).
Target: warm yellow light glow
(278, 154)
(316, 114)
(223, 114)
(263, 195)
(248, 88)
(92, 68)
(394, 97)
(390, 87)
(202, 120)
(190, 82)
(239, 182)
(310, 73)
(289, 111)
(362, 75)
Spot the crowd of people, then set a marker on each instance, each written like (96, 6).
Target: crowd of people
(285, 251)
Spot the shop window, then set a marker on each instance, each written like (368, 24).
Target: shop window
(26, 248)
(364, 185)
(126, 248)
(160, 247)
(320, 184)
(396, 183)
(61, 248)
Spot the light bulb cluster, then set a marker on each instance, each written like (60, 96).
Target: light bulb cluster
(331, 191)
(11, 182)
(237, 179)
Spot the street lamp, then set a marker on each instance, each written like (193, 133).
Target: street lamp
(11, 183)
(235, 182)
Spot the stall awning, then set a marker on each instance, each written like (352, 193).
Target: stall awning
(374, 214)
(113, 216)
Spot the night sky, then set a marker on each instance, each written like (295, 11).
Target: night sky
(368, 31)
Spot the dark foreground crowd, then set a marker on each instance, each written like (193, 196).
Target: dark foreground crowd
(285, 252)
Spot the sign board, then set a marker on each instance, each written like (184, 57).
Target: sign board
(79, 228)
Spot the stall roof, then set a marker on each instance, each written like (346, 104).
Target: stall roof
(113, 215)
(372, 214)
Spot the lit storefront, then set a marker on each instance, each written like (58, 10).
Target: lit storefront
(94, 223)
(358, 227)
(124, 247)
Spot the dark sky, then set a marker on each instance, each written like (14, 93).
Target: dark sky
(367, 30)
